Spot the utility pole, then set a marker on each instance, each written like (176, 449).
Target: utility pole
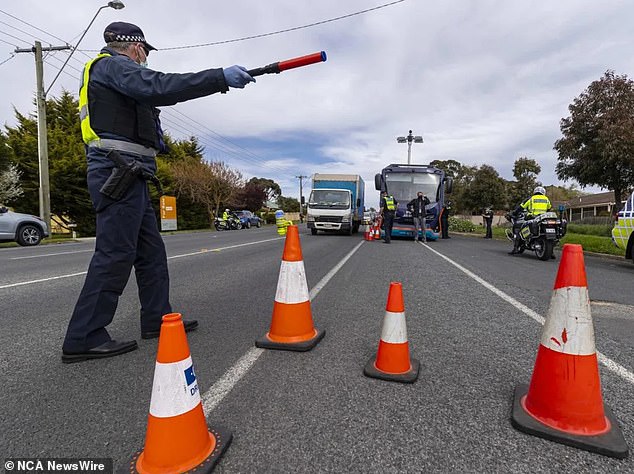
(42, 138)
(301, 204)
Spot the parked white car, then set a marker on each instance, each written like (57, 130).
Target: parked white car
(25, 229)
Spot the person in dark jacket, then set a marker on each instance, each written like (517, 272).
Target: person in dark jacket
(487, 215)
(118, 99)
(444, 220)
(419, 212)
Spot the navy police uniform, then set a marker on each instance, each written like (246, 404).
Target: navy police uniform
(118, 100)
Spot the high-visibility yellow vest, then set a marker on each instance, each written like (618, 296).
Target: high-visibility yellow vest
(87, 133)
(537, 204)
(389, 203)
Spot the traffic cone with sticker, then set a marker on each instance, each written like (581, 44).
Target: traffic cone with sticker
(177, 437)
(392, 361)
(377, 229)
(563, 402)
(292, 323)
(367, 233)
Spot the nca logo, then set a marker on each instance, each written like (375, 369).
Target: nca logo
(190, 376)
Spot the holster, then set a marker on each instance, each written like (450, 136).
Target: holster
(123, 176)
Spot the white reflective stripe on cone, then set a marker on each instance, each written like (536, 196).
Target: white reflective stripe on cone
(175, 389)
(394, 330)
(568, 327)
(291, 284)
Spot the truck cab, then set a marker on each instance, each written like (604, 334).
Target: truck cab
(335, 203)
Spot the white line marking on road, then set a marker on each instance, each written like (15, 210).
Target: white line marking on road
(606, 361)
(70, 275)
(11, 285)
(50, 254)
(232, 376)
(224, 248)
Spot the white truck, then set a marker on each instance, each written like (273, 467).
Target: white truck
(336, 203)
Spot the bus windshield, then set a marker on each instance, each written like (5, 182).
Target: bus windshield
(404, 186)
(329, 199)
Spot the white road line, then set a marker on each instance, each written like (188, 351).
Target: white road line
(212, 397)
(224, 248)
(50, 254)
(606, 361)
(70, 275)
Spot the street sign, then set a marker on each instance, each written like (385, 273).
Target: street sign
(168, 213)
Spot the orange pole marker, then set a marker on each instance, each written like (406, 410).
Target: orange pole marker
(292, 323)
(177, 437)
(563, 402)
(392, 360)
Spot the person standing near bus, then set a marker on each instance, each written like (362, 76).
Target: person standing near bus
(388, 210)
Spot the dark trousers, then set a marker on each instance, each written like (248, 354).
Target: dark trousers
(388, 223)
(444, 225)
(127, 236)
(489, 221)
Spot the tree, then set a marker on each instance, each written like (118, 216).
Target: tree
(10, 188)
(525, 171)
(486, 189)
(597, 147)
(288, 204)
(207, 183)
(252, 196)
(270, 187)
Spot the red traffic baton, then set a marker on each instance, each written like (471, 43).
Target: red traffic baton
(276, 68)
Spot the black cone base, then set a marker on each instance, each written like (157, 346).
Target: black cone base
(410, 376)
(266, 343)
(610, 444)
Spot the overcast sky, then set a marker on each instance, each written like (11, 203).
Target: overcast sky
(483, 81)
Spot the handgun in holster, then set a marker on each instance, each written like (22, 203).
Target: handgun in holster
(123, 176)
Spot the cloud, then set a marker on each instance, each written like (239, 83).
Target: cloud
(483, 81)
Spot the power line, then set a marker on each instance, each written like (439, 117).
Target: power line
(8, 59)
(295, 28)
(33, 26)
(15, 37)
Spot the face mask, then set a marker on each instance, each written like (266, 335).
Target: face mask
(143, 63)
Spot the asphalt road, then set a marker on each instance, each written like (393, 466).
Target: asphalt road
(313, 411)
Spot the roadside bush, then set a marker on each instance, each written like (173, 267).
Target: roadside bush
(588, 229)
(461, 225)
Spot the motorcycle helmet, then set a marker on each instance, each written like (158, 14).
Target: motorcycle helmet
(227, 210)
(539, 190)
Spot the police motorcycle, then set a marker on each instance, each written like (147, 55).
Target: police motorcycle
(540, 233)
(233, 223)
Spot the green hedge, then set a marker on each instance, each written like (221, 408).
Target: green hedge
(461, 225)
(587, 229)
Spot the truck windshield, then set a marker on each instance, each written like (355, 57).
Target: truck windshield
(404, 186)
(329, 199)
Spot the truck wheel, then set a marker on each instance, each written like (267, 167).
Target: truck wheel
(313, 231)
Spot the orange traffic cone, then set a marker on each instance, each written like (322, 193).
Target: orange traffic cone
(292, 324)
(177, 437)
(563, 402)
(367, 234)
(392, 360)
(377, 230)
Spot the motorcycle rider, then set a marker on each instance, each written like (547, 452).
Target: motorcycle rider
(537, 204)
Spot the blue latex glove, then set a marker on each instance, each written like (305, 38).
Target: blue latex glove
(237, 76)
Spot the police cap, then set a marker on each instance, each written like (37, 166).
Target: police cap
(125, 32)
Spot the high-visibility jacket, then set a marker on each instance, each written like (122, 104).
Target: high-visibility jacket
(537, 204)
(225, 216)
(390, 205)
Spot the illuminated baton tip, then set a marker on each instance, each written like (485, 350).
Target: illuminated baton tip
(323, 56)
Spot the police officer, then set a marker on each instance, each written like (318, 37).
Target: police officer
(419, 212)
(535, 205)
(488, 222)
(118, 99)
(444, 220)
(388, 210)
